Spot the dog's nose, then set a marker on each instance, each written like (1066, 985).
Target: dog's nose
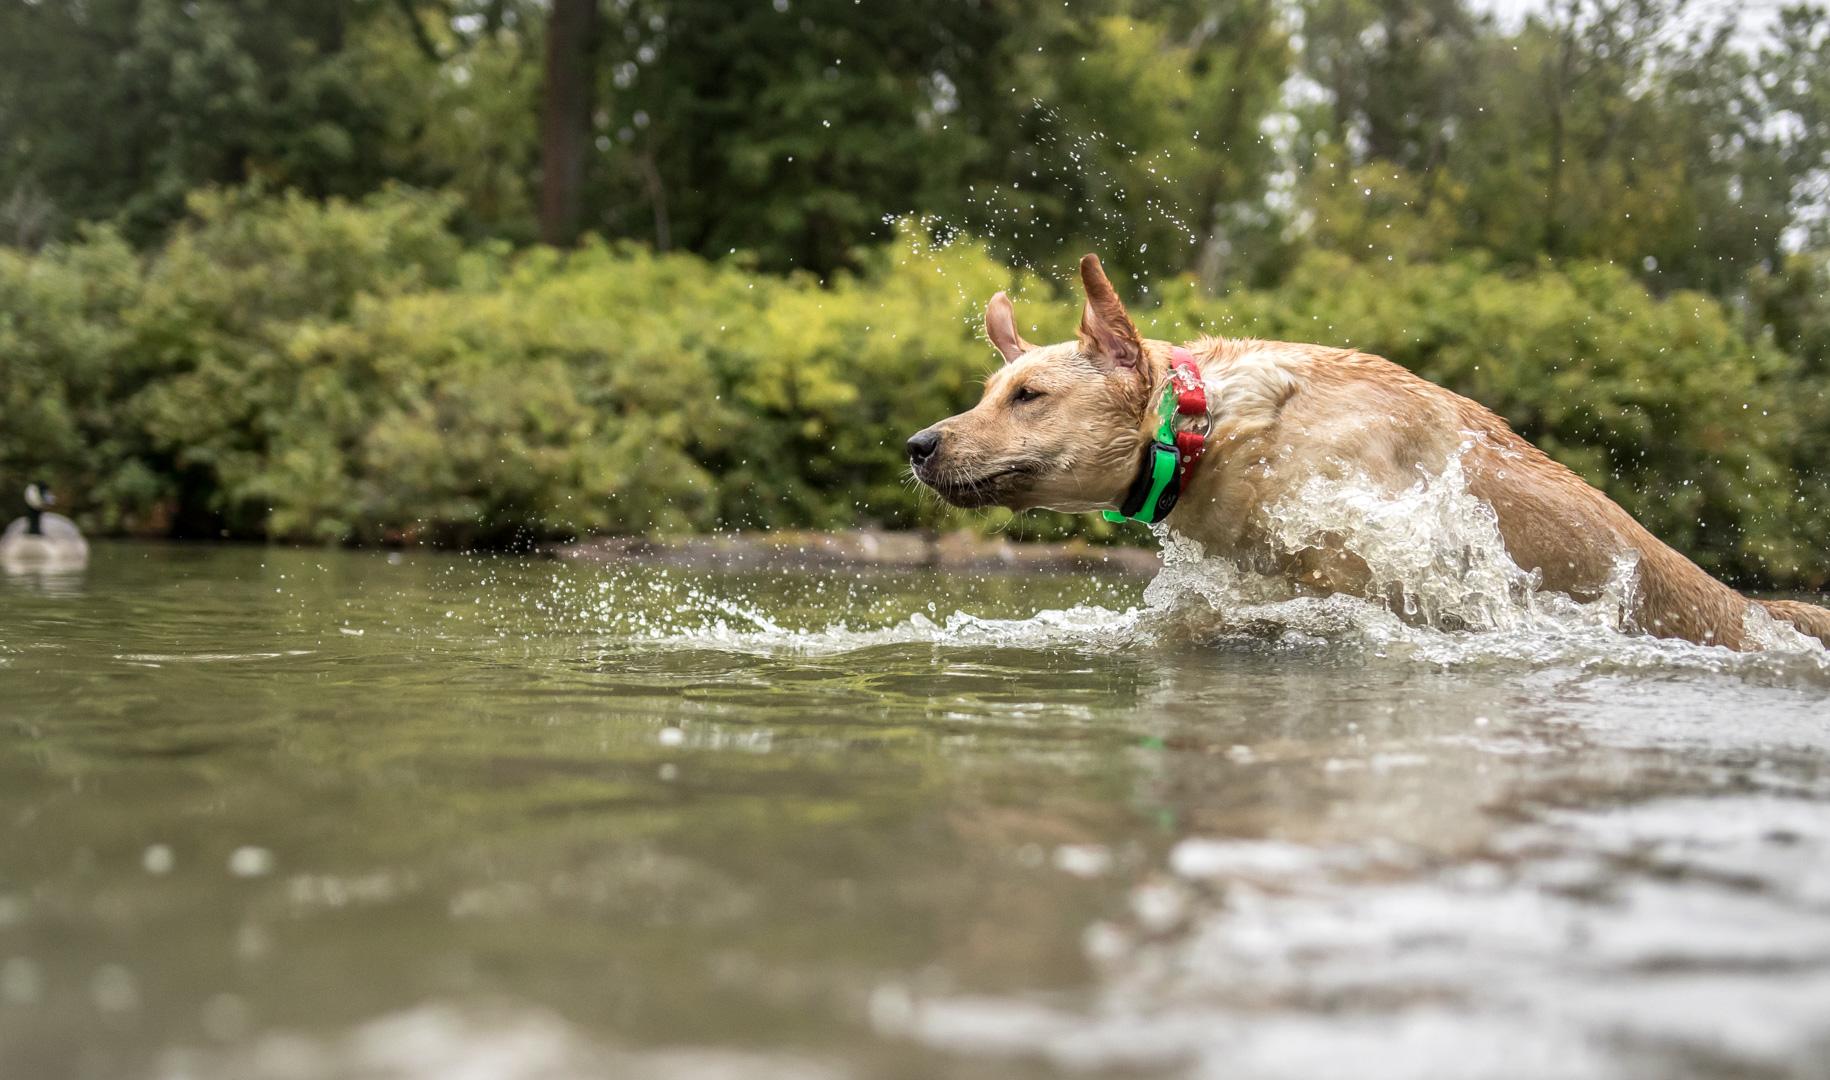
(922, 446)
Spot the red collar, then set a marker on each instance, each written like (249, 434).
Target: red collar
(1173, 449)
(1191, 401)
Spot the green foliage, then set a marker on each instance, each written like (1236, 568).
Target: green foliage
(1607, 229)
(461, 120)
(1594, 131)
(343, 372)
(1141, 137)
(154, 387)
(347, 372)
(794, 135)
(118, 108)
(1169, 134)
(66, 370)
(789, 131)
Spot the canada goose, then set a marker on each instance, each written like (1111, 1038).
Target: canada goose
(42, 539)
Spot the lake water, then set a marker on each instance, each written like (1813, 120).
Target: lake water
(278, 814)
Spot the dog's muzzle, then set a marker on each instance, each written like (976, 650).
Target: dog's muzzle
(922, 447)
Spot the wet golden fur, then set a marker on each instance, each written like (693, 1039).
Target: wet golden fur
(1064, 427)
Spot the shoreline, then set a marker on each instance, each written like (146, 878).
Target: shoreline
(872, 549)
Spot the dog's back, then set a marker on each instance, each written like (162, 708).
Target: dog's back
(1346, 410)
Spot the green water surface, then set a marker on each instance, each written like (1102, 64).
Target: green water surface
(305, 813)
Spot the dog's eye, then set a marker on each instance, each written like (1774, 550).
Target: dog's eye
(1025, 393)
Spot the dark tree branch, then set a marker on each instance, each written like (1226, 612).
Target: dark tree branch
(410, 12)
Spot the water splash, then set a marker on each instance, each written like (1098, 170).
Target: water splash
(1443, 591)
(1435, 553)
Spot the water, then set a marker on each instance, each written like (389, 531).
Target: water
(275, 814)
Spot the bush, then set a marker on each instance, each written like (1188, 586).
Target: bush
(292, 370)
(67, 371)
(348, 372)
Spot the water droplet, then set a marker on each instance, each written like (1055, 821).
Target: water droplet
(114, 990)
(250, 862)
(158, 859)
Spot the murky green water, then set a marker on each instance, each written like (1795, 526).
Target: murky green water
(307, 814)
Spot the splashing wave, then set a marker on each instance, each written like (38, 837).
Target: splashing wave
(1445, 593)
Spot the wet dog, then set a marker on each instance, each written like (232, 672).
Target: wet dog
(1081, 426)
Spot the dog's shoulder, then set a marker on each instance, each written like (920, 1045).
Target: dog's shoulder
(1250, 379)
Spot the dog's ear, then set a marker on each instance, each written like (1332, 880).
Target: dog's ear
(1106, 333)
(1001, 328)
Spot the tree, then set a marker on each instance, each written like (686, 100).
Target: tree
(1138, 131)
(793, 130)
(117, 108)
(1599, 129)
(565, 116)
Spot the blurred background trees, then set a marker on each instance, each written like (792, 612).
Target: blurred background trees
(226, 214)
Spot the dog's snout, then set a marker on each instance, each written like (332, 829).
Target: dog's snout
(922, 446)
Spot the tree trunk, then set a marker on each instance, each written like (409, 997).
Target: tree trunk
(565, 117)
(1562, 86)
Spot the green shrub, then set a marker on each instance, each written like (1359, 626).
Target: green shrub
(348, 372)
(66, 373)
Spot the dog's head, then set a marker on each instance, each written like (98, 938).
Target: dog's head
(1060, 427)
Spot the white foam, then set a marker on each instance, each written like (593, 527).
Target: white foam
(1444, 592)
(1448, 592)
